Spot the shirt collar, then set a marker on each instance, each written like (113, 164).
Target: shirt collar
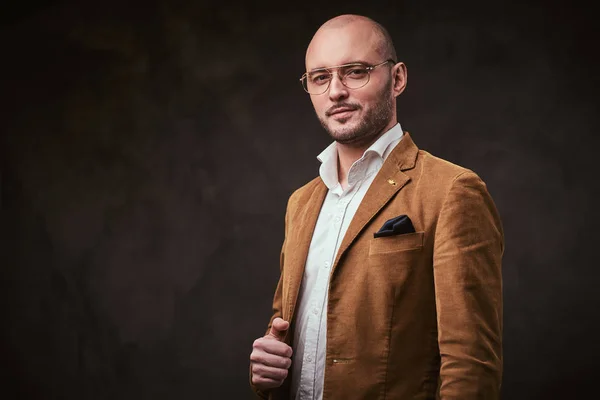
(382, 147)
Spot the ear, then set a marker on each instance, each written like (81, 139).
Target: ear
(399, 76)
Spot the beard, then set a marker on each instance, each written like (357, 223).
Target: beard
(369, 127)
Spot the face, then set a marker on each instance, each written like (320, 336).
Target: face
(353, 116)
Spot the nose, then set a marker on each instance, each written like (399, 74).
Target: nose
(337, 90)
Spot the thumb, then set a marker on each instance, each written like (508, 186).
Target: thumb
(278, 328)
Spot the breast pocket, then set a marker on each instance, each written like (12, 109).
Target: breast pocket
(393, 258)
(393, 266)
(396, 244)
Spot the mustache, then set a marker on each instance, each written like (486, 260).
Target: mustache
(343, 106)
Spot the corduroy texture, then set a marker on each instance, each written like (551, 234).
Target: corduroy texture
(413, 316)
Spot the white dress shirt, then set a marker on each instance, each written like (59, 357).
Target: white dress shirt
(339, 207)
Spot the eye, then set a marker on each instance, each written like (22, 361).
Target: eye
(319, 78)
(356, 72)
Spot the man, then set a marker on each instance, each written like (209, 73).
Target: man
(390, 281)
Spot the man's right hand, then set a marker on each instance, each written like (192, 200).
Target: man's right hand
(271, 357)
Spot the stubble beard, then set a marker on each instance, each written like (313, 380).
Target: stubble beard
(369, 127)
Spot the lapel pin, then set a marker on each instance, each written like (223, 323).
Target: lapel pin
(392, 182)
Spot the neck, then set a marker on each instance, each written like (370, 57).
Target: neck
(349, 153)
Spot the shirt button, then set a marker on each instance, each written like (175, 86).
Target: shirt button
(337, 219)
(308, 358)
(326, 264)
(315, 311)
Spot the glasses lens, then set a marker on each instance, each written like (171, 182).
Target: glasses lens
(355, 76)
(317, 82)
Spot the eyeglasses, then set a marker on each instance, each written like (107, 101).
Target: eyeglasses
(353, 76)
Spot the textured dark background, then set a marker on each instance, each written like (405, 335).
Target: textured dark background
(148, 149)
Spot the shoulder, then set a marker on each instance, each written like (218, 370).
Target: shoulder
(424, 167)
(442, 172)
(437, 181)
(438, 167)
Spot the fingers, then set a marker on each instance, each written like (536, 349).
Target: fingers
(266, 376)
(280, 324)
(271, 357)
(275, 347)
(265, 383)
(278, 328)
(261, 357)
(261, 371)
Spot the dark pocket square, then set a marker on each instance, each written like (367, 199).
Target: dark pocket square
(396, 226)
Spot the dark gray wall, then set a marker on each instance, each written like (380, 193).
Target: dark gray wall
(148, 149)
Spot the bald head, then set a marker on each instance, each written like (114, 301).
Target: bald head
(355, 84)
(359, 25)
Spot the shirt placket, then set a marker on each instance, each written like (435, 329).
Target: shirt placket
(318, 297)
(337, 216)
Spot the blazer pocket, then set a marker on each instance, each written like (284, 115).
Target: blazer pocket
(397, 243)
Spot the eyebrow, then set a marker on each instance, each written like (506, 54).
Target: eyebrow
(346, 63)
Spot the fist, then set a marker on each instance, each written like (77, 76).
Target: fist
(271, 357)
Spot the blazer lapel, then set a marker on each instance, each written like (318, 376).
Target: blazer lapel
(389, 180)
(297, 253)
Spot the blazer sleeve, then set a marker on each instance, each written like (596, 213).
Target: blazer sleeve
(467, 258)
(277, 306)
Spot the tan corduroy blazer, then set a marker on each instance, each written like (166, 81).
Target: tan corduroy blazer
(412, 316)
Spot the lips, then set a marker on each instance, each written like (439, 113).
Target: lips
(342, 115)
(340, 111)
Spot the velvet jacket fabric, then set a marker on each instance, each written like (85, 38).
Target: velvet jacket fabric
(410, 316)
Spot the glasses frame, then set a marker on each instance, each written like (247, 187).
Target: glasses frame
(369, 68)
